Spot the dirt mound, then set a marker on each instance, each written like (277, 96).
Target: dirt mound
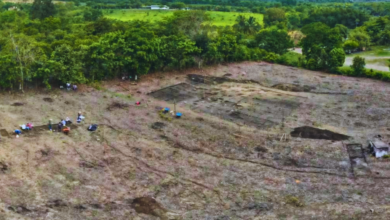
(315, 133)
(149, 206)
(48, 99)
(17, 104)
(293, 87)
(115, 105)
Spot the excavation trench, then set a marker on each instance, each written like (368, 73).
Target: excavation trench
(316, 133)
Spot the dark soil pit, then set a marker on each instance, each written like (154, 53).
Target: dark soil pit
(17, 104)
(4, 133)
(48, 99)
(3, 167)
(57, 203)
(158, 125)
(207, 79)
(20, 209)
(315, 133)
(293, 87)
(178, 93)
(117, 105)
(261, 149)
(149, 206)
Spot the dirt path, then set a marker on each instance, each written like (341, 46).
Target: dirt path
(348, 60)
(374, 66)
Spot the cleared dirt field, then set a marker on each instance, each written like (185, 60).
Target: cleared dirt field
(230, 156)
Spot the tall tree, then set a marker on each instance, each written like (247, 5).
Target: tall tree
(274, 40)
(42, 9)
(319, 41)
(274, 16)
(247, 26)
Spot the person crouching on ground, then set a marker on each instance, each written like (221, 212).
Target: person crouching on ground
(79, 117)
(68, 121)
(59, 127)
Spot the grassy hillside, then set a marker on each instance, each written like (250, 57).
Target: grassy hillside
(218, 18)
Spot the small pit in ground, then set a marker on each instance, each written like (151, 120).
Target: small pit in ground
(293, 87)
(178, 93)
(158, 125)
(207, 79)
(316, 133)
(4, 133)
(17, 104)
(116, 105)
(47, 99)
(149, 206)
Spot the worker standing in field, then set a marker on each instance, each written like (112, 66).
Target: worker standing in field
(50, 128)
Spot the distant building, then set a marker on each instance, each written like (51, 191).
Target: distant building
(157, 7)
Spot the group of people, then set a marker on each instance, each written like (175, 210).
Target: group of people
(62, 125)
(69, 87)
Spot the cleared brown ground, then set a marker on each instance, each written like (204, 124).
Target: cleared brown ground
(227, 158)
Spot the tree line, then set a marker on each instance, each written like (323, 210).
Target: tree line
(48, 44)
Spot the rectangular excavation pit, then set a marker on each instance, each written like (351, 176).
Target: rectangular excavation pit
(179, 92)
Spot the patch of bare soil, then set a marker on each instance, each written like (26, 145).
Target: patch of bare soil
(17, 104)
(158, 125)
(207, 79)
(249, 120)
(47, 99)
(117, 105)
(4, 133)
(149, 206)
(315, 133)
(178, 93)
(212, 80)
(293, 87)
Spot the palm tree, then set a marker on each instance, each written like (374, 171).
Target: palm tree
(245, 26)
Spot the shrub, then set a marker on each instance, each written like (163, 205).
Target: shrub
(295, 201)
(358, 65)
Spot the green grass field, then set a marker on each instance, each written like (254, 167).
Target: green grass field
(217, 18)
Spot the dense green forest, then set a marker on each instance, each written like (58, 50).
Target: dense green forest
(48, 44)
